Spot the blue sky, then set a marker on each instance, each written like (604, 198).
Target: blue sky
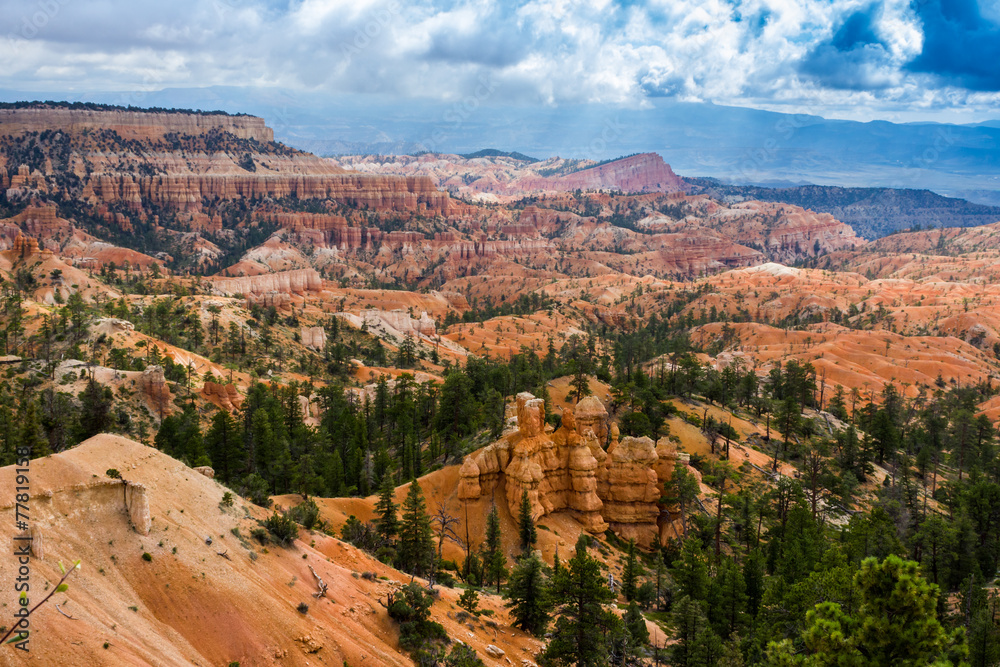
(881, 59)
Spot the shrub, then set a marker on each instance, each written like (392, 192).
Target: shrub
(282, 528)
(303, 608)
(306, 513)
(411, 608)
(259, 534)
(469, 600)
(146, 556)
(256, 489)
(462, 655)
(227, 499)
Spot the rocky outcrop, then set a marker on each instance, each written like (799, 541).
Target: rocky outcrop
(591, 415)
(313, 337)
(400, 321)
(639, 173)
(568, 470)
(153, 385)
(225, 396)
(285, 282)
(137, 506)
(628, 487)
(25, 246)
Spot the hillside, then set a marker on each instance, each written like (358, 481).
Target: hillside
(189, 604)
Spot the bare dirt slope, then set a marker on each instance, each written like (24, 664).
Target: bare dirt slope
(189, 605)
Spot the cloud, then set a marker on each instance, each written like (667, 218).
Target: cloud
(863, 54)
(961, 46)
(854, 57)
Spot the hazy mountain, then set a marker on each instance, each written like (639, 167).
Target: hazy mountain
(736, 145)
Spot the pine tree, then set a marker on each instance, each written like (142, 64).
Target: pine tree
(635, 622)
(631, 573)
(32, 437)
(494, 562)
(416, 539)
(697, 645)
(223, 443)
(581, 594)
(386, 520)
(528, 596)
(895, 624)
(526, 524)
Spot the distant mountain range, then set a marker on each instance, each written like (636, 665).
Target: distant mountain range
(735, 145)
(872, 212)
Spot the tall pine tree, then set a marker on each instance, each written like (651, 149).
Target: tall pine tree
(528, 596)
(581, 594)
(526, 524)
(416, 539)
(494, 562)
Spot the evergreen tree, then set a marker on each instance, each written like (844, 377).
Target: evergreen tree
(528, 596)
(635, 622)
(697, 644)
(32, 438)
(494, 562)
(386, 520)
(526, 524)
(416, 539)
(223, 443)
(580, 595)
(895, 624)
(95, 413)
(631, 573)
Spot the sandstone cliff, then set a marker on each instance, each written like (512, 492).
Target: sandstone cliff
(569, 471)
(131, 124)
(284, 282)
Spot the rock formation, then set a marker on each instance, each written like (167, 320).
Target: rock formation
(225, 396)
(313, 337)
(131, 124)
(137, 506)
(284, 282)
(153, 384)
(568, 470)
(591, 415)
(628, 487)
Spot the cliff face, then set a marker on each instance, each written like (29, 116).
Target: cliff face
(44, 230)
(283, 282)
(568, 470)
(639, 173)
(506, 176)
(193, 171)
(131, 124)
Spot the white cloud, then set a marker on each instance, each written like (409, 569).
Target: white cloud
(540, 51)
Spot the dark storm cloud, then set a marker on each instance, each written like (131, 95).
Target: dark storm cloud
(960, 45)
(853, 58)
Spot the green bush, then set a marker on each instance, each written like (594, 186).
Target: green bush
(306, 513)
(282, 528)
(411, 608)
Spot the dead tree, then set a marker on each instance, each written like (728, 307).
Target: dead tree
(446, 528)
(320, 584)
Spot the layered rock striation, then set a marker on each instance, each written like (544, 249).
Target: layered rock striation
(568, 470)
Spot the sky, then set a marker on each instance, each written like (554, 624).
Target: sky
(898, 60)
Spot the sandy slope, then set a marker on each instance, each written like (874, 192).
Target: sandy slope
(192, 606)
